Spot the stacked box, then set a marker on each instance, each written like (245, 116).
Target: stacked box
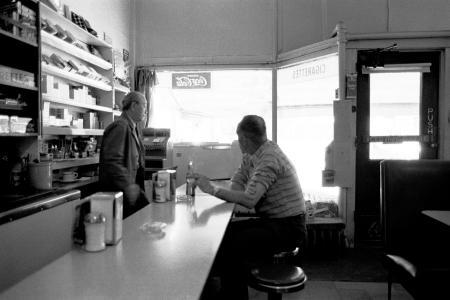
(89, 120)
(59, 117)
(46, 114)
(19, 20)
(18, 124)
(4, 124)
(47, 84)
(16, 76)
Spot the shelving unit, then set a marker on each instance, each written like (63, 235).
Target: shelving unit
(66, 47)
(74, 162)
(80, 34)
(52, 70)
(104, 90)
(18, 134)
(13, 36)
(20, 44)
(82, 90)
(76, 104)
(18, 85)
(97, 95)
(75, 185)
(53, 130)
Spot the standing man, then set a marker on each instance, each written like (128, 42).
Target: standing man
(122, 155)
(266, 181)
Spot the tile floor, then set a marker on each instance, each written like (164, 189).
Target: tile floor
(340, 290)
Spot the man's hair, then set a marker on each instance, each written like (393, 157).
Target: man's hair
(131, 97)
(254, 128)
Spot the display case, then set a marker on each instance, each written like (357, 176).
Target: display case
(19, 91)
(77, 72)
(78, 90)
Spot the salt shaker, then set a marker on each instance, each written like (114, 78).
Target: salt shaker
(95, 226)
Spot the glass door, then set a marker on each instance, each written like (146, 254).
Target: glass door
(397, 118)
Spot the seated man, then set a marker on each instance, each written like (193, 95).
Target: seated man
(266, 181)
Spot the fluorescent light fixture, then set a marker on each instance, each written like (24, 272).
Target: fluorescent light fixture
(398, 68)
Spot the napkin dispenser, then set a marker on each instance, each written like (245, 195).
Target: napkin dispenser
(110, 204)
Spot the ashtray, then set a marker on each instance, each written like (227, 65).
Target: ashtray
(154, 229)
(184, 198)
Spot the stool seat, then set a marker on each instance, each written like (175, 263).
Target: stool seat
(278, 278)
(278, 274)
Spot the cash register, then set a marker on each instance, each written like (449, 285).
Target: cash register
(158, 150)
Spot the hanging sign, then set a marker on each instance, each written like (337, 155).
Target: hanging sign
(191, 80)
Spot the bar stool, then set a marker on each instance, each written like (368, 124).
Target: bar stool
(278, 277)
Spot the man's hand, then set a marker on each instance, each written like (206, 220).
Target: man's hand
(132, 193)
(203, 183)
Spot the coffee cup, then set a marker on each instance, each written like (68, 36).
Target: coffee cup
(69, 176)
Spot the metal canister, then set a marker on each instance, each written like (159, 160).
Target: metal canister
(160, 191)
(173, 184)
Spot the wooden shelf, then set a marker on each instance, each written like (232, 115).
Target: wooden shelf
(64, 46)
(66, 24)
(18, 85)
(53, 130)
(12, 107)
(121, 89)
(73, 185)
(74, 162)
(75, 77)
(6, 33)
(19, 134)
(75, 104)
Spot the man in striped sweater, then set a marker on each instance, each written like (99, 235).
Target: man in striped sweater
(266, 181)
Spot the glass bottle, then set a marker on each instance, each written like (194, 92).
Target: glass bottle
(190, 181)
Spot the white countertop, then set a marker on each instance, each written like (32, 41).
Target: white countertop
(442, 216)
(141, 266)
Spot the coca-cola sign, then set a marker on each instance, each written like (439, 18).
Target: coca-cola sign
(191, 80)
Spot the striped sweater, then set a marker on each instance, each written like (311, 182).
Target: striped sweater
(271, 167)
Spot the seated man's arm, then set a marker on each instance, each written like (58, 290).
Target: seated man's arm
(245, 196)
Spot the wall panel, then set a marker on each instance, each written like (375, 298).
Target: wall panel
(204, 31)
(419, 15)
(300, 24)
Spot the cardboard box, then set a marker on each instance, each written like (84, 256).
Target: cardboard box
(47, 84)
(89, 120)
(4, 124)
(18, 124)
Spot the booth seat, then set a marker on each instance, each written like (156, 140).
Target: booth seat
(414, 256)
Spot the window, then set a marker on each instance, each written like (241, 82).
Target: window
(198, 111)
(305, 120)
(395, 111)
